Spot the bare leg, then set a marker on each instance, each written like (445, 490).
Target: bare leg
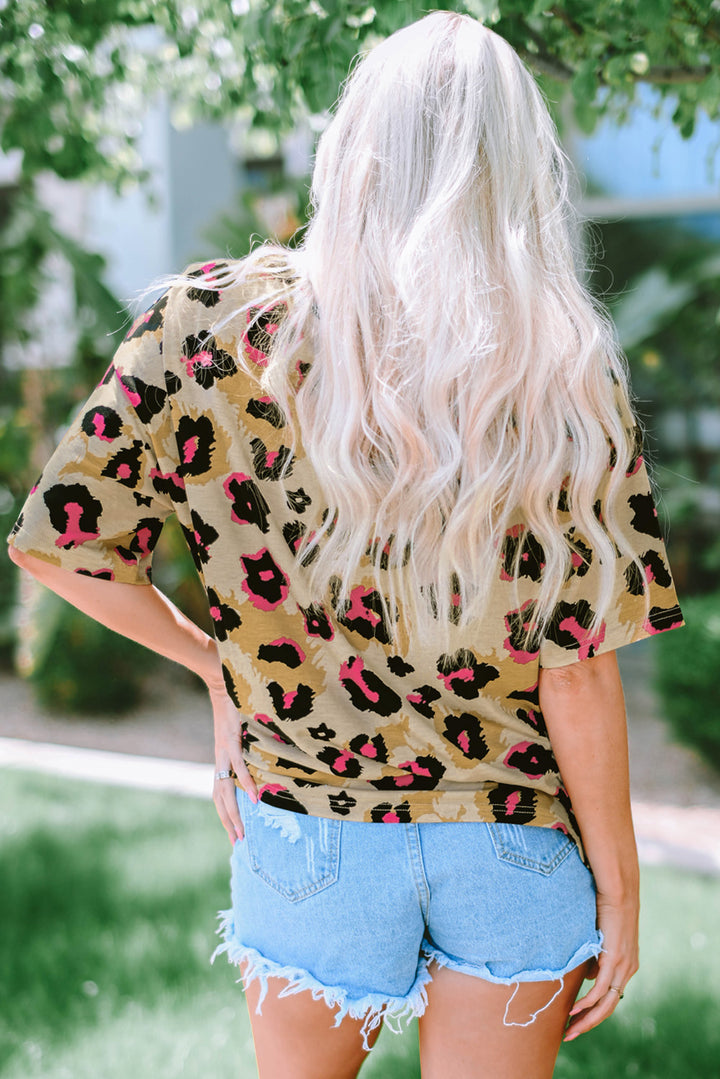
(295, 1038)
(462, 1033)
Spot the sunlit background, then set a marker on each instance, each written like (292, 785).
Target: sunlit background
(138, 137)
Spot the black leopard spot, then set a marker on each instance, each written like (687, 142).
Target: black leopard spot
(142, 500)
(569, 627)
(271, 726)
(224, 618)
(208, 297)
(293, 532)
(512, 804)
(73, 513)
(386, 813)
(398, 666)
(341, 803)
(523, 546)
(283, 650)
(265, 408)
(231, 687)
(564, 799)
(374, 749)
(280, 797)
(298, 501)
(196, 443)
(173, 384)
(362, 613)
(270, 464)
(341, 762)
(522, 645)
(421, 699)
(248, 505)
(261, 326)
(284, 764)
(169, 483)
(655, 570)
(322, 733)
(124, 466)
(145, 535)
(531, 695)
(581, 556)
(102, 422)
(532, 759)
(101, 574)
(265, 584)
(146, 399)
(465, 732)
(420, 774)
(199, 539)
(150, 320)
(367, 692)
(661, 618)
(535, 719)
(317, 623)
(463, 675)
(645, 518)
(204, 361)
(291, 703)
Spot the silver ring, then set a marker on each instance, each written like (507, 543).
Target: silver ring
(227, 774)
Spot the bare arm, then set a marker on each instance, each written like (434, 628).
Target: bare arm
(142, 613)
(584, 710)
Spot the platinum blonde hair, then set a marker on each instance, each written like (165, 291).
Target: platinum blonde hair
(463, 376)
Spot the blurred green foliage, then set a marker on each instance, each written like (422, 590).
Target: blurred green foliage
(661, 279)
(77, 77)
(80, 666)
(688, 666)
(75, 83)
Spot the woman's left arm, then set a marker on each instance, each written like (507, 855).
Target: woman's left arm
(144, 614)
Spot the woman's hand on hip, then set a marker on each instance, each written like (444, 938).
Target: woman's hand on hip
(227, 723)
(618, 961)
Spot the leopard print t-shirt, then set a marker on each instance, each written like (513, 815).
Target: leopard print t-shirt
(337, 720)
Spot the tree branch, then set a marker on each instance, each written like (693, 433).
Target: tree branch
(556, 69)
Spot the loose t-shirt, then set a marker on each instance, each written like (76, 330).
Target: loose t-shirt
(338, 721)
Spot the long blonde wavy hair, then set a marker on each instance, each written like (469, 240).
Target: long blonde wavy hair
(463, 376)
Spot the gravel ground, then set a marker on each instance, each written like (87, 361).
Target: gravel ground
(175, 721)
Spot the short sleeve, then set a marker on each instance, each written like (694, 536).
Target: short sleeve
(100, 503)
(638, 608)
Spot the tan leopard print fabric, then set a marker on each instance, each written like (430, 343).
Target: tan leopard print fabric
(336, 720)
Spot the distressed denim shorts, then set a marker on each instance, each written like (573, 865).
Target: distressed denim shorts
(355, 911)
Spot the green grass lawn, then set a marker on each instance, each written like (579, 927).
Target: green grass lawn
(107, 916)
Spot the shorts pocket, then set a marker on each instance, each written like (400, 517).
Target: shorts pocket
(294, 853)
(541, 850)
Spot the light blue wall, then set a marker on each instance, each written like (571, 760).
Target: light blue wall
(648, 157)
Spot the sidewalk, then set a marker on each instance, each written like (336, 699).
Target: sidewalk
(685, 837)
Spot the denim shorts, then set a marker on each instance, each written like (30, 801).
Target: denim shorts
(355, 911)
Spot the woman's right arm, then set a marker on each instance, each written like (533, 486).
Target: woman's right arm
(584, 710)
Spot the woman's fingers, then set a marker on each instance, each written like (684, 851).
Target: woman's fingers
(227, 809)
(584, 1021)
(229, 758)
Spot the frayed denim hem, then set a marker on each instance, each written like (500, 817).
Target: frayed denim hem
(591, 949)
(375, 1007)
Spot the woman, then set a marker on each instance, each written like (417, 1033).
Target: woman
(407, 469)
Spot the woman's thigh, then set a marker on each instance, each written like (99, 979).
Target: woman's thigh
(295, 1036)
(464, 1032)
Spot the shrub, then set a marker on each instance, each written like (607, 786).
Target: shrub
(688, 675)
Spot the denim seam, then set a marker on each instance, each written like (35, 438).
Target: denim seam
(506, 853)
(412, 836)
